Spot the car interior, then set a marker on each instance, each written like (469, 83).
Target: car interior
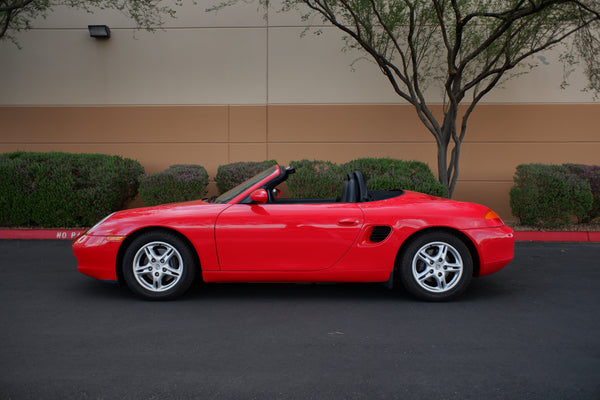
(354, 190)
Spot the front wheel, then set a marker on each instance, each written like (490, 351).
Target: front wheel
(159, 266)
(437, 266)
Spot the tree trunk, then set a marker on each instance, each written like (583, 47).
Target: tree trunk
(448, 169)
(442, 160)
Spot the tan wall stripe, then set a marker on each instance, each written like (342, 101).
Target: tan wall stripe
(499, 138)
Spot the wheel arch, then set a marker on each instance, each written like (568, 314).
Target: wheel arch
(133, 235)
(464, 238)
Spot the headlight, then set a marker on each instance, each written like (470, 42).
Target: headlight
(89, 231)
(492, 218)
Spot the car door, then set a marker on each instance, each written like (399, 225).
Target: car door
(285, 237)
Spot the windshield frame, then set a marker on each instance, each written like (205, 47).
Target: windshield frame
(256, 180)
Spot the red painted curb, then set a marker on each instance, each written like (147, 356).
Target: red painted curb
(557, 236)
(65, 234)
(594, 236)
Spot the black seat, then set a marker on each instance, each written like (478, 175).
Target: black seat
(363, 194)
(350, 190)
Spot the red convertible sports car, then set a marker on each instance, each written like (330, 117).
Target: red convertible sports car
(433, 246)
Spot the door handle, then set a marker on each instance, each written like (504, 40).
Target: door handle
(348, 221)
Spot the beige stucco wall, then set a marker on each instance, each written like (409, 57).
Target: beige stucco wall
(216, 88)
(234, 56)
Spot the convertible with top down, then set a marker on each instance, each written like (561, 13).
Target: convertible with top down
(432, 246)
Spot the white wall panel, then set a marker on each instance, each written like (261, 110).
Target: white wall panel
(205, 66)
(178, 66)
(53, 67)
(313, 69)
(292, 17)
(64, 17)
(217, 58)
(543, 84)
(187, 15)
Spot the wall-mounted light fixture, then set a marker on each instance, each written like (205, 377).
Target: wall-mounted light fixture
(99, 31)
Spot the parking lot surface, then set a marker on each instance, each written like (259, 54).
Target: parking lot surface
(530, 331)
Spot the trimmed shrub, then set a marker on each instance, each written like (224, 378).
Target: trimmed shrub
(590, 173)
(231, 175)
(175, 184)
(63, 189)
(391, 174)
(549, 195)
(324, 179)
(372, 167)
(315, 180)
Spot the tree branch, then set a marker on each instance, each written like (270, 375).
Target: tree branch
(15, 6)
(6, 23)
(513, 16)
(508, 66)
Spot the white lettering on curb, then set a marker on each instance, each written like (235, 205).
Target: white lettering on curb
(67, 235)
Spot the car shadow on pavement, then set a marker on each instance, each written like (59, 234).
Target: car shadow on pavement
(93, 288)
(480, 289)
(309, 291)
(489, 288)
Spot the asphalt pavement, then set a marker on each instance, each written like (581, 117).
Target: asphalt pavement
(530, 331)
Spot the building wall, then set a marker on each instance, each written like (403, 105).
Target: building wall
(500, 137)
(234, 86)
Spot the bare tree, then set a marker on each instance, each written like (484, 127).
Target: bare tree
(467, 46)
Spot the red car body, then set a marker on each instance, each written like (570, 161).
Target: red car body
(242, 240)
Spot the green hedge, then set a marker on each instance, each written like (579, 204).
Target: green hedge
(549, 195)
(324, 179)
(231, 175)
(591, 174)
(315, 180)
(63, 189)
(175, 184)
(391, 174)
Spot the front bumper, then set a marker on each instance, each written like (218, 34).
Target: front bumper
(97, 256)
(495, 247)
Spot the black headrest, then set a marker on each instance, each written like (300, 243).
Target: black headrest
(363, 194)
(350, 191)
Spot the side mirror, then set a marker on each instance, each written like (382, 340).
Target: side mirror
(259, 196)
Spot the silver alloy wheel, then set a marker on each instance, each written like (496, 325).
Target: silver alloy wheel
(437, 267)
(157, 266)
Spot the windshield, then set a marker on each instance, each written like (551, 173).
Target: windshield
(231, 194)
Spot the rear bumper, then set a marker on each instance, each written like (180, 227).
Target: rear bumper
(495, 247)
(96, 257)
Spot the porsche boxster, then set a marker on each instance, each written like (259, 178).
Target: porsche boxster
(430, 245)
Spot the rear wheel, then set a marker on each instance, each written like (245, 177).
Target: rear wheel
(437, 266)
(159, 266)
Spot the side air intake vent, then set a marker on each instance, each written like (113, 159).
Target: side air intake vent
(380, 233)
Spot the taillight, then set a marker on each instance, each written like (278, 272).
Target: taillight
(492, 218)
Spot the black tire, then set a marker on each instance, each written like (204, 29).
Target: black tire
(436, 266)
(159, 265)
